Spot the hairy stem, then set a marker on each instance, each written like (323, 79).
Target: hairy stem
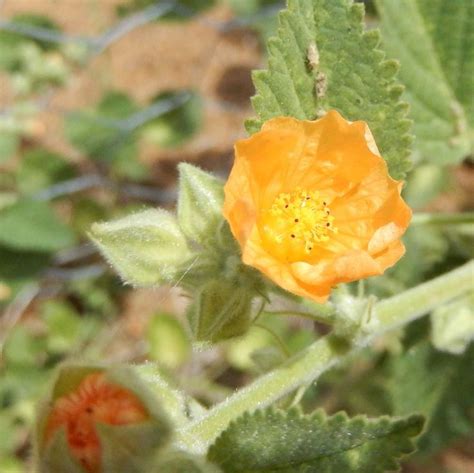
(443, 218)
(307, 366)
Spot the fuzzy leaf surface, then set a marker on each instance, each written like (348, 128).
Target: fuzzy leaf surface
(30, 225)
(270, 441)
(452, 325)
(145, 248)
(201, 196)
(438, 385)
(434, 41)
(322, 59)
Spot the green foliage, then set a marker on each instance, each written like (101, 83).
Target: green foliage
(145, 248)
(8, 145)
(453, 325)
(252, 7)
(102, 134)
(437, 385)
(12, 44)
(30, 225)
(201, 197)
(109, 133)
(168, 342)
(66, 330)
(276, 441)
(434, 41)
(21, 267)
(175, 127)
(182, 9)
(424, 183)
(323, 59)
(427, 246)
(40, 168)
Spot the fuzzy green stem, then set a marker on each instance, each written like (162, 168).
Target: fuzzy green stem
(327, 319)
(443, 218)
(322, 355)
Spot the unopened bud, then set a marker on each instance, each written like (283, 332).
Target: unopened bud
(99, 421)
(201, 196)
(146, 248)
(220, 311)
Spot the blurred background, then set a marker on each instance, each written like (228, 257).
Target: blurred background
(99, 102)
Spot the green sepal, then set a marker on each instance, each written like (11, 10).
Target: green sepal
(220, 310)
(353, 315)
(146, 248)
(57, 458)
(180, 407)
(179, 462)
(452, 325)
(130, 448)
(201, 197)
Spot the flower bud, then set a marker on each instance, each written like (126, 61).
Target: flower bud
(99, 420)
(220, 310)
(145, 248)
(200, 204)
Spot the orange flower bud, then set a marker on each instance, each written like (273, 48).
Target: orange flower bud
(94, 400)
(99, 420)
(312, 204)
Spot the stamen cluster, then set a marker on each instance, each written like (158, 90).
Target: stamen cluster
(306, 217)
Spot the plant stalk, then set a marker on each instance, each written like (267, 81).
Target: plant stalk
(306, 367)
(442, 218)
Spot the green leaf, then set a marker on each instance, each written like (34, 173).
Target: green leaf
(145, 248)
(453, 325)
(285, 442)
(168, 342)
(434, 41)
(178, 125)
(323, 59)
(102, 134)
(33, 226)
(10, 41)
(65, 328)
(23, 347)
(39, 168)
(201, 196)
(438, 385)
(252, 7)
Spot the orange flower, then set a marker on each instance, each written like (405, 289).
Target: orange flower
(94, 400)
(312, 204)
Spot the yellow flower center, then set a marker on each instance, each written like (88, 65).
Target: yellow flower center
(302, 217)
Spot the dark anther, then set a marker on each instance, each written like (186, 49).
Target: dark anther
(292, 236)
(296, 220)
